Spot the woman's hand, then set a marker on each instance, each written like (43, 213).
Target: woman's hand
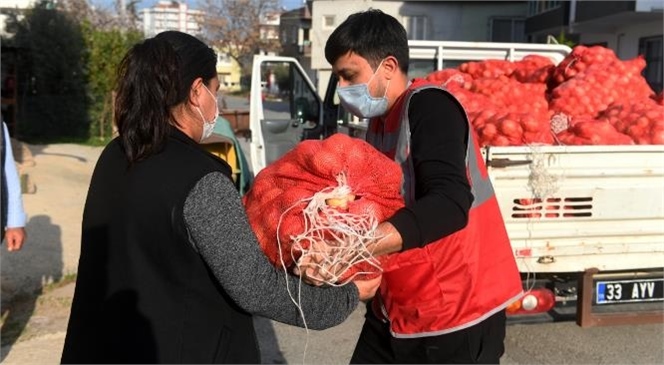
(367, 288)
(317, 268)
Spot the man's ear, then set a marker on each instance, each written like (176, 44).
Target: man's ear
(391, 67)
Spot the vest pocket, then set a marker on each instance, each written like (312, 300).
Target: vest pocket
(412, 290)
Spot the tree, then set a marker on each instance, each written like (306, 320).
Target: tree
(51, 74)
(68, 56)
(122, 16)
(562, 38)
(234, 27)
(128, 13)
(80, 9)
(105, 48)
(107, 35)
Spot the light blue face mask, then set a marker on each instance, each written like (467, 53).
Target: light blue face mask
(357, 99)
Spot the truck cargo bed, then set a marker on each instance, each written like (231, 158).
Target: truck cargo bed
(570, 208)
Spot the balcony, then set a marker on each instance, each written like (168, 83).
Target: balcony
(305, 48)
(591, 16)
(606, 16)
(546, 19)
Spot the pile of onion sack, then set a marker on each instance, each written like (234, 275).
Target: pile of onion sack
(590, 98)
(335, 190)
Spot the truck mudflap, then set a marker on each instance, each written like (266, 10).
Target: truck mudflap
(596, 290)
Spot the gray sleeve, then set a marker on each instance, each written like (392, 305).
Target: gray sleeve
(220, 230)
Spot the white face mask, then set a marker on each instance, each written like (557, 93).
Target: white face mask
(357, 99)
(208, 127)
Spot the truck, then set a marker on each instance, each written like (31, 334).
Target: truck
(586, 223)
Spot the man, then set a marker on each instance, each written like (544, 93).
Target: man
(12, 214)
(444, 292)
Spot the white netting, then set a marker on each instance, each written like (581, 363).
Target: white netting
(346, 235)
(541, 182)
(455, 78)
(543, 185)
(570, 64)
(559, 123)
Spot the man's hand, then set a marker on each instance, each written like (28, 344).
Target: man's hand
(320, 264)
(325, 263)
(367, 288)
(389, 242)
(15, 238)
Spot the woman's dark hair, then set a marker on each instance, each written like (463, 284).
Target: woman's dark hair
(371, 34)
(155, 76)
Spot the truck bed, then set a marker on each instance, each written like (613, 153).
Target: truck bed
(570, 208)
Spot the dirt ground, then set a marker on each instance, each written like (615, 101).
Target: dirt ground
(34, 309)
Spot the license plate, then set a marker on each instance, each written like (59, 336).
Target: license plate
(629, 291)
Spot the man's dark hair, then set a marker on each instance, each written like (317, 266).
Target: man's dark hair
(371, 34)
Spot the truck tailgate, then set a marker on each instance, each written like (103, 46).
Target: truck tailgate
(569, 208)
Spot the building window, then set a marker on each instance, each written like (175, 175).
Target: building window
(651, 49)
(507, 30)
(223, 59)
(536, 7)
(223, 79)
(328, 22)
(417, 27)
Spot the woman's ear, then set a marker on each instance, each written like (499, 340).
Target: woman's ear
(391, 66)
(195, 91)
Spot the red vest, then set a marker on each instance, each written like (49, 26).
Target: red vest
(461, 279)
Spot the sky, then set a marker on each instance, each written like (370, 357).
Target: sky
(288, 4)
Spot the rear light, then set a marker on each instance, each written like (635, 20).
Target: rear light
(534, 301)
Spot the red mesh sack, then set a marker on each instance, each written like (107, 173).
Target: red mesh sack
(513, 96)
(641, 119)
(533, 69)
(579, 60)
(449, 76)
(587, 131)
(496, 128)
(592, 90)
(278, 197)
(487, 69)
(472, 102)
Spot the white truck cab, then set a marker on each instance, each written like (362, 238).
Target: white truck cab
(283, 114)
(586, 223)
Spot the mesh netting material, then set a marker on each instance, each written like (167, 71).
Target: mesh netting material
(280, 201)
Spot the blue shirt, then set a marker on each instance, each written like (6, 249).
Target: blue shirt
(15, 214)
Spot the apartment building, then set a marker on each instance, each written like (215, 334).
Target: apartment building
(170, 15)
(294, 35)
(630, 28)
(479, 21)
(12, 7)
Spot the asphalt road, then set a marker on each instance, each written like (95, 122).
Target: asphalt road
(62, 174)
(543, 343)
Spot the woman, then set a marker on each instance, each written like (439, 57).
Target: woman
(170, 271)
